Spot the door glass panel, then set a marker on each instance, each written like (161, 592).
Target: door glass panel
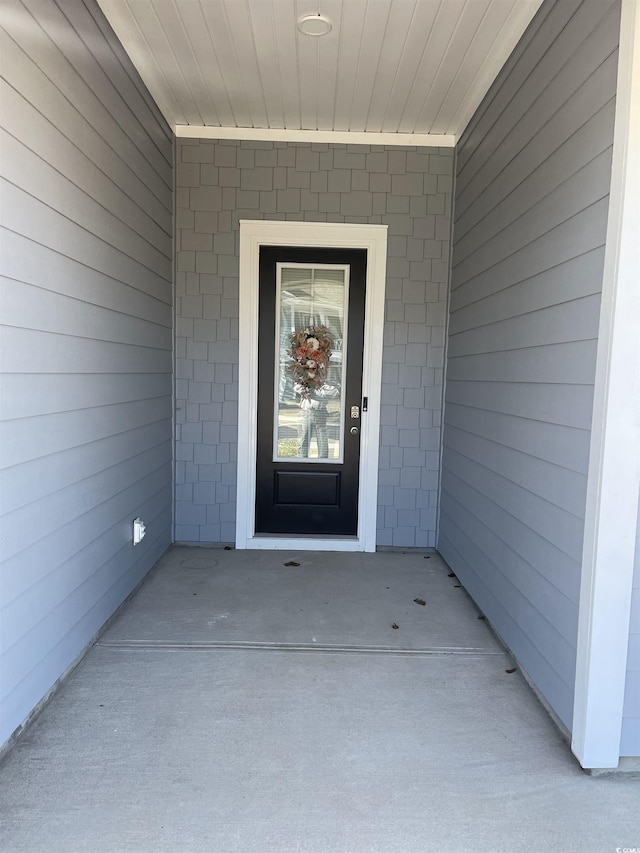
(311, 320)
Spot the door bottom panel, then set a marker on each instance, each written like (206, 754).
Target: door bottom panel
(306, 488)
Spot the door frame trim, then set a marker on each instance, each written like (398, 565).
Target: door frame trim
(253, 235)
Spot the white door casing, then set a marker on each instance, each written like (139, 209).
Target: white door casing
(372, 238)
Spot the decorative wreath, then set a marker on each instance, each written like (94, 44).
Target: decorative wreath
(310, 352)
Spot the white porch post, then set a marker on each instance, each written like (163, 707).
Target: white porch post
(614, 465)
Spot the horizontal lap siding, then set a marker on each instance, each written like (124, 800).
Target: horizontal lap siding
(85, 441)
(531, 203)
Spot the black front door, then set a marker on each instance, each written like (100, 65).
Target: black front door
(311, 337)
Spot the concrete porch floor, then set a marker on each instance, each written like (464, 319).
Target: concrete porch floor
(238, 705)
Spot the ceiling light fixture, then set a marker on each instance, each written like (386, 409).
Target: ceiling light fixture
(314, 25)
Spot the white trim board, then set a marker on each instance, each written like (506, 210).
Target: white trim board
(614, 463)
(373, 238)
(270, 134)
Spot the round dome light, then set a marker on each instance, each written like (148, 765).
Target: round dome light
(314, 25)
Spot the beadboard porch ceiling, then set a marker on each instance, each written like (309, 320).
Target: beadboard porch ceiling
(404, 71)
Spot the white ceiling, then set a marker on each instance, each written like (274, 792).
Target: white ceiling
(388, 66)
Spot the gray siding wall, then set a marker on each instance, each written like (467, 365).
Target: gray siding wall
(532, 186)
(218, 183)
(86, 341)
(630, 741)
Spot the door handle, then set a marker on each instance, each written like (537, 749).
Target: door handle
(354, 430)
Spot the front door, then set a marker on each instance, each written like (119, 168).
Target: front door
(310, 348)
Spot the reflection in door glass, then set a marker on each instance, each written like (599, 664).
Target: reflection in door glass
(310, 368)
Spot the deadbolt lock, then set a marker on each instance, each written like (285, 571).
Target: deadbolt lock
(355, 412)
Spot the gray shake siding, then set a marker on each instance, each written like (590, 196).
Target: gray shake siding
(219, 183)
(532, 186)
(86, 343)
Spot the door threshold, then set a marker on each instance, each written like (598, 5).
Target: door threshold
(304, 542)
(314, 536)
